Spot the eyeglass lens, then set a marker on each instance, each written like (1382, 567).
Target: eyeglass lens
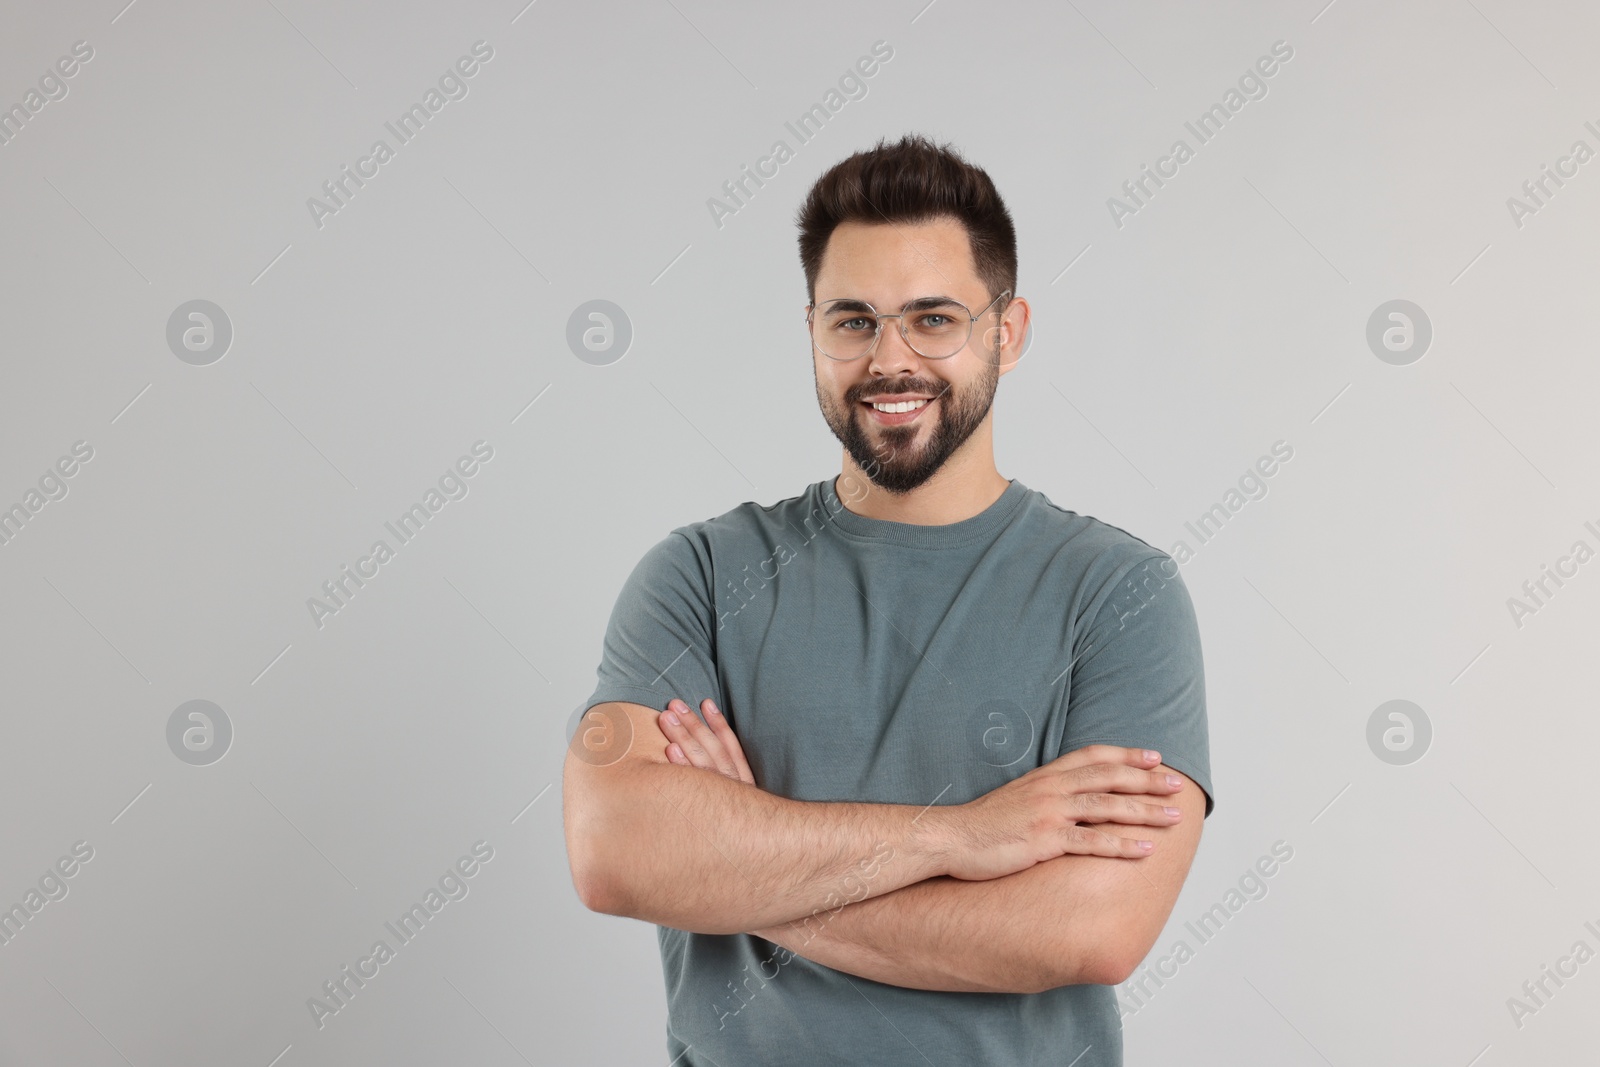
(846, 329)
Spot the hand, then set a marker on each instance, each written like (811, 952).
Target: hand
(713, 747)
(1040, 815)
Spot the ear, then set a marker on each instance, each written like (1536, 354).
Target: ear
(1013, 329)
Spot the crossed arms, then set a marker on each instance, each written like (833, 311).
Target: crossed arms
(1011, 892)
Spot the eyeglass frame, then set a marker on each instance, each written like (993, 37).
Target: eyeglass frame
(901, 315)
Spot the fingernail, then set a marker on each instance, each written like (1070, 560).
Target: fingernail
(1173, 779)
(712, 708)
(1147, 846)
(1152, 754)
(1173, 811)
(672, 719)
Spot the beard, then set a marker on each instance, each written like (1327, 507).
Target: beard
(894, 464)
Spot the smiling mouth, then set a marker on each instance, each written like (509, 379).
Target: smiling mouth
(896, 412)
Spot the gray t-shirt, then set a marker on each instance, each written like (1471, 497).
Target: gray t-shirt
(867, 660)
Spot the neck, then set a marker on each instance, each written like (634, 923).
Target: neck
(966, 485)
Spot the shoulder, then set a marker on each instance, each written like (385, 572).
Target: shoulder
(1112, 574)
(1105, 554)
(750, 522)
(737, 532)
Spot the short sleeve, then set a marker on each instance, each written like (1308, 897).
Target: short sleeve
(660, 640)
(1137, 676)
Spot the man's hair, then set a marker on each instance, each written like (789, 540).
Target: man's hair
(912, 180)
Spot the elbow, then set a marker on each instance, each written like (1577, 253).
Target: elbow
(606, 889)
(598, 888)
(1090, 972)
(1117, 959)
(592, 889)
(599, 884)
(592, 846)
(1112, 970)
(1100, 965)
(597, 892)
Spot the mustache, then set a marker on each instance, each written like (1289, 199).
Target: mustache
(858, 394)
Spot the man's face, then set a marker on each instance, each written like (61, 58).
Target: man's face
(887, 265)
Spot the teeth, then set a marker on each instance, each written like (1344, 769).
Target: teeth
(904, 405)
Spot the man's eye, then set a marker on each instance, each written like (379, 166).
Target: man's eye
(936, 321)
(856, 325)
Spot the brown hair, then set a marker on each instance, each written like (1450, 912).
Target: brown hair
(912, 180)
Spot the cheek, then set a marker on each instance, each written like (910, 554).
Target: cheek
(836, 382)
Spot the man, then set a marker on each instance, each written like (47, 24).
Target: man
(920, 820)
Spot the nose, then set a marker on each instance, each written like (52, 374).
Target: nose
(892, 354)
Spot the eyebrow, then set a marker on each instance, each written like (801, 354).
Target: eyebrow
(921, 303)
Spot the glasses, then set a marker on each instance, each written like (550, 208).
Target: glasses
(935, 327)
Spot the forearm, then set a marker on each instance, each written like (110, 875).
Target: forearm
(1017, 934)
(703, 853)
(1068, 920)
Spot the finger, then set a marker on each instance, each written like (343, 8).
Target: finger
(1120, 778)
(730, 741)
(697, 735)
(706, 738)
(1118, 808)
(1087, 841)
(679, 740)
(1117, 754)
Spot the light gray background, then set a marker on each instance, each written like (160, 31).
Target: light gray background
(1168, 354)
